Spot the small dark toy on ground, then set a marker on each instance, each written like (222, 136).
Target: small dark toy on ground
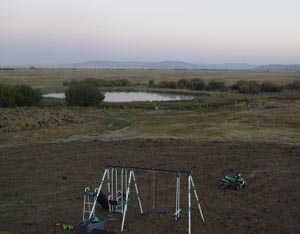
(237, 182)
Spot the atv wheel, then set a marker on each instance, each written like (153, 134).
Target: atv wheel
(238, 186)
(223, 185)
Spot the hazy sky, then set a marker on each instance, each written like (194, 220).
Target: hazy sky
(198, 31)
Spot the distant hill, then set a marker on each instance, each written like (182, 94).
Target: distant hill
(132, 65)
(173, 65)
(278, 68)
(155, 65)
(231, 66)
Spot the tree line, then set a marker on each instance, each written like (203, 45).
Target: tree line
(241, 86)
(99, 82)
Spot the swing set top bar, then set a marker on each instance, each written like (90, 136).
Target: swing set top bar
(149, 169)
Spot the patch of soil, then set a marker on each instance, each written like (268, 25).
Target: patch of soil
(43, 184)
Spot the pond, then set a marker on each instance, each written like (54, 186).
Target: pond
(133, 96)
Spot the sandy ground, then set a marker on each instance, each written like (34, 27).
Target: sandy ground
(43, 184)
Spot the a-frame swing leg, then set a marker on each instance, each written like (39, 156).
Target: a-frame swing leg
(177, 209)
(189, 206)
(137, 193)
(99, 190)
(126, 201)
(191, 184)
(131, 176)
(108, 189)
(197, 199)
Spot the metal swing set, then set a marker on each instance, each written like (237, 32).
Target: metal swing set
(119, 180)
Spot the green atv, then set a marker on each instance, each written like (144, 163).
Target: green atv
(236, 182)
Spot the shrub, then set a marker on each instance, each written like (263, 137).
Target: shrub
(295, 85)
(113, 83)
(172, 85)
(247, 86)
(167, 84)
(183, 84)
(83, 94)
(99, 82)
(91, 81)
(27, 96)
(196, 84)
(162, 84)
(122, 82)
(216, 85)
(7, 96)
(151, 83)
(66, 83)
(19, 95)
(270, 87)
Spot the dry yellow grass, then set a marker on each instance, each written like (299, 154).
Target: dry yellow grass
(280, 124)
(51, 80)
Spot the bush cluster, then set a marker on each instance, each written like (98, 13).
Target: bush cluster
(295, 85)
(242, 86)
(254, 87)
(99, 82)
(83, 94)
(270, 87)
(193, 84)
(19, 95)
(216, 85)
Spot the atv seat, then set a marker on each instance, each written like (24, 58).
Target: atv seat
(230, 179)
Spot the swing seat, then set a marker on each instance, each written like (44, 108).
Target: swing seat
(113, 202)
(118, 211)
(161, 212)
(119, 199)
(146, 213)
(175, 215)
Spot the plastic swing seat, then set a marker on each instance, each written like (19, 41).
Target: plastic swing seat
(161, 212)
(176, 214)
(113, 202)
(146, 213)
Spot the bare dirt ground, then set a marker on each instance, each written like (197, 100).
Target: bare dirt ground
(43, 184)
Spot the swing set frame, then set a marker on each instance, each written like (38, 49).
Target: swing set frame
(121, 196)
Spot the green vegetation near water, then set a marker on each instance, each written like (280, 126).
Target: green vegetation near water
(19, 95)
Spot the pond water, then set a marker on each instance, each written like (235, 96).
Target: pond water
(133, 96)
(54, 95)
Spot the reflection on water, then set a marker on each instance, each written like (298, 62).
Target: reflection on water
(142, 96)
(133, 96)
(54, 95)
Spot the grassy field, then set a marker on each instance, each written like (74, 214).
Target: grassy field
(262, 119)
(51, 80)
(215, 116)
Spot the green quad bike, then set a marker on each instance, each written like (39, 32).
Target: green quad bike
(236, 182)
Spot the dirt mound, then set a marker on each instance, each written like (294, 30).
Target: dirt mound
(43, 184)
